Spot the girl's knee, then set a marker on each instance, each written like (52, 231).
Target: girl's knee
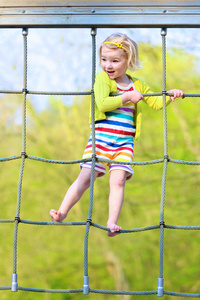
(120, 182)
(118, 179)
(85, 177)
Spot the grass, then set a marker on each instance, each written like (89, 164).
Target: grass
(52, 257)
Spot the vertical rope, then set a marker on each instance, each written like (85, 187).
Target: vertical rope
(24, 33)
(160, 290)
(93, 34)
(23, 156)
(86, 277)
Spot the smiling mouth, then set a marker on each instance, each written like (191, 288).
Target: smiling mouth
(110, 72)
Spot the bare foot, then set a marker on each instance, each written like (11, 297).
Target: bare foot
(114, 229)
(56, 216)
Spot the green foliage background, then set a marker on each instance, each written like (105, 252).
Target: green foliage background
(52, 256)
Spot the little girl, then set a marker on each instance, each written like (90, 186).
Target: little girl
(117, 123)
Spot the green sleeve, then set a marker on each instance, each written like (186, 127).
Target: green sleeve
(155, 102)
(102, 88)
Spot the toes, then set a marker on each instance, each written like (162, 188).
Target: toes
(111, 234)
(55, 215)
(114, 230)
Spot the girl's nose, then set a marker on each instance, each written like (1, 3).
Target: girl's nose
(109, 65)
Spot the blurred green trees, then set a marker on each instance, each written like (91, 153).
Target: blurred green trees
(52, 256)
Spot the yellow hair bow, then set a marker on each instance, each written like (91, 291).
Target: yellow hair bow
(119, 45)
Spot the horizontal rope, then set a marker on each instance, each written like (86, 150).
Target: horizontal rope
(59, 93)
(10, 92)
(123, 292)
(49, 290)
(162, 93)
(190, 295)
(183, 227)
(47, 93)
(7, 220)
(139, 163)
(127, 230)
(58, 161)
(97, 291)
(84, 223)
(186, 95)
(155, 161)
(4, 288)
(10, 158)
(90, 159)
(136, 163)
(52, 223)
(178, 161)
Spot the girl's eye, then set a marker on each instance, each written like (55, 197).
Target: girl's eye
(115, 61)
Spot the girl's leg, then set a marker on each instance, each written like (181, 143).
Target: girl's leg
(73, 195)
(116, 197)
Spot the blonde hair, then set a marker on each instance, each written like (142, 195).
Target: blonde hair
(130, 49)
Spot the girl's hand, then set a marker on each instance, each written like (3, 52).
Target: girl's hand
(133, 96)
(177, 94)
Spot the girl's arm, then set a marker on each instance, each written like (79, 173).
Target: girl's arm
(133, 96)
(156, 102)
(102, 89)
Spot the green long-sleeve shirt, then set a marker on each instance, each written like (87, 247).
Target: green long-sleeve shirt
(104, 86)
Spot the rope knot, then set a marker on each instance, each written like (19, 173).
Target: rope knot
(24, 153)
(18, 219)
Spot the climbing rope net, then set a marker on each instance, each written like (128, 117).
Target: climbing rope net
(166, 160)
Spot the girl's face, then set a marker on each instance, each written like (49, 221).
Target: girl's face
(114, 63)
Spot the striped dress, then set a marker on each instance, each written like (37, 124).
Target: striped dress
(114, 138)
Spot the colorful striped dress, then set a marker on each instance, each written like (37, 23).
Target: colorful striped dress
(114, 138)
